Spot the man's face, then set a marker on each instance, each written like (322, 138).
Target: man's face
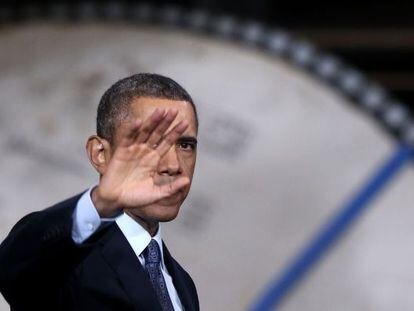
(179, 161)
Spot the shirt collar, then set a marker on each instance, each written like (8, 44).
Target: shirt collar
(137, 236)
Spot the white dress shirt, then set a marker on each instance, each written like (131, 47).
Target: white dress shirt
(86, 220)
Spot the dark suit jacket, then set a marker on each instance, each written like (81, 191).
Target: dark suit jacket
(41, 268)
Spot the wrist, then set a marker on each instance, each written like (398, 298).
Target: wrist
(104, 207)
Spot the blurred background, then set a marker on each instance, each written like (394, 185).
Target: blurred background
(298, 104)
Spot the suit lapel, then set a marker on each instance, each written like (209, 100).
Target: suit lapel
(120, 256)
(179, 280)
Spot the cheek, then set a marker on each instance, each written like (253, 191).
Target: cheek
(188, 164)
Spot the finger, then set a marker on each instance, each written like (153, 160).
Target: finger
(162, 127)
(173, 187)
(170, 139)
(150, 124)
(130, 133)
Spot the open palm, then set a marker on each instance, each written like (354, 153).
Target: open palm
(129, 178)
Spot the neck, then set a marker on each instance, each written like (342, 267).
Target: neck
(150, 226)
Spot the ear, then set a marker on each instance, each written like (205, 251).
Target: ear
(99, 153)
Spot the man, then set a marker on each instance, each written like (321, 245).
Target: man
(102, 250)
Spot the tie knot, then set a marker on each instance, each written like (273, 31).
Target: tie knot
(152, 253)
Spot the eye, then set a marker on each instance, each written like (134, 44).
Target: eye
(187, 146)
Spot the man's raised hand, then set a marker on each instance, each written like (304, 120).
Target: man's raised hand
(129, 179)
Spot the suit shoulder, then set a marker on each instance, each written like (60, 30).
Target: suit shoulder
(181, 269)
(171, 260)
(55, 214)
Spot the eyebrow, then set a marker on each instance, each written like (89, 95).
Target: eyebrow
(190, 139)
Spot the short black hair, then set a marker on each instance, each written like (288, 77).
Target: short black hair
(114, 104)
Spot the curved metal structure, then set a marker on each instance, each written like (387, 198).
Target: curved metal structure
(367, 95)
(370, 98)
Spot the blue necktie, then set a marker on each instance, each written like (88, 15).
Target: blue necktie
(152, 256)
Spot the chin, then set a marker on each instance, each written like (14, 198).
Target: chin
(158, 212)
(163, 213)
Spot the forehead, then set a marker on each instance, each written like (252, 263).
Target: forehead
(143, 107)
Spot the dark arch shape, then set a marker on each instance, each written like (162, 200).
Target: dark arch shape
(369, 97)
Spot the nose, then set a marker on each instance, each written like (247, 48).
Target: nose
(170, 163)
